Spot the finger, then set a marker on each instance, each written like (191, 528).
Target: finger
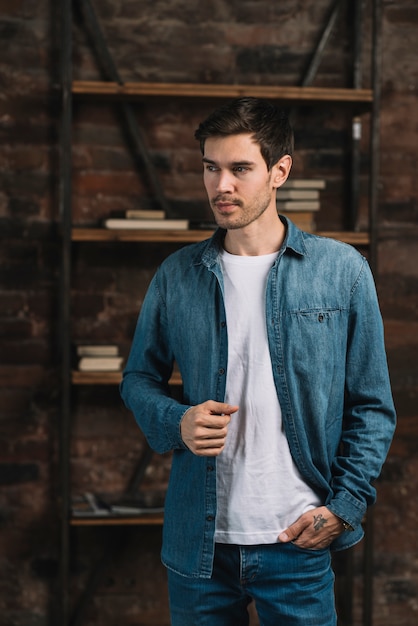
(202, 444)
(209, 448)
(221, 408)
(285, 536)
(216, 422)
(212, 432)
(208, 452)
(292, 532)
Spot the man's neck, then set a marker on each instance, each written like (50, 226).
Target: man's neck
(256, 239)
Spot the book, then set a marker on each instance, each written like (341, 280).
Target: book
(98, 350)
(145, 214)
(298, 205)
(297, 194)
(89, 505)
(146, 224)
(100, 363)
(203, 225)
(134, 509)
(302, 219)
(304, 183)
(95, 505)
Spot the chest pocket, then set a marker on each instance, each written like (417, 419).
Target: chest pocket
(315, 340)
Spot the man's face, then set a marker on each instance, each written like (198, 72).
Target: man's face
(237, 181)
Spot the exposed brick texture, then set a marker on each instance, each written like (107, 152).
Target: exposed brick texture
(249, 42)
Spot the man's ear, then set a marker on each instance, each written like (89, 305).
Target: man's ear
(281, 170)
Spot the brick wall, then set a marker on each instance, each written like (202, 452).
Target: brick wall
(248, 42)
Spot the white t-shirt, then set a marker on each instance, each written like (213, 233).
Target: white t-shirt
(260, 492)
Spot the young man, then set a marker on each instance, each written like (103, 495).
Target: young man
(287, 414)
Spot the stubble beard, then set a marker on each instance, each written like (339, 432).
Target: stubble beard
(247, 215)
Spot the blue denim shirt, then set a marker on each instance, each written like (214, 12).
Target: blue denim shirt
(327, 352)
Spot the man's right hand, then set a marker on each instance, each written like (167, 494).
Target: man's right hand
(204, 427)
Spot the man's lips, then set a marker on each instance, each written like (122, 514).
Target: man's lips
(225, 206)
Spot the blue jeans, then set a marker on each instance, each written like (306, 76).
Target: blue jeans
(290, 587)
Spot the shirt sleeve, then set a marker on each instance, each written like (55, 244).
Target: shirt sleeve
(369, 413)
(145, 387)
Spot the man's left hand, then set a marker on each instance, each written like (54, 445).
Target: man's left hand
(314, 530)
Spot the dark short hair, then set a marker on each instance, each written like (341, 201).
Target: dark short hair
(268, 124)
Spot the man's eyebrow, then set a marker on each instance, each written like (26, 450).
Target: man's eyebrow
(233, 164)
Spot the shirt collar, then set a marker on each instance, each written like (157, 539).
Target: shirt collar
(294, 240)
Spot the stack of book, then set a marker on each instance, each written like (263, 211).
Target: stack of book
(143, 219)
(99, 358)
(299, 199)
(103, 505)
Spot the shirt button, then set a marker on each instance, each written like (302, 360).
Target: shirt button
(210, 518)
(210, 468)
(221, 371)
(321, 317)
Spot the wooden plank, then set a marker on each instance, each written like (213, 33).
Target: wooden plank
(353, 238)
(190, 90)
(149, 519)
(95, 378)
(107, 234)
(108, 378)
(185, 236)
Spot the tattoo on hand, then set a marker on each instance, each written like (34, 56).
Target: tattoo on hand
(319, 521)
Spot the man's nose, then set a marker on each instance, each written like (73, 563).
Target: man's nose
(225, 182)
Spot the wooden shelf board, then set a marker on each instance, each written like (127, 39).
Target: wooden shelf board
(189, 236)
(108, 378)
(190, 90)
(107, 234)
(95, 378)
(149, 519)
(347, 236)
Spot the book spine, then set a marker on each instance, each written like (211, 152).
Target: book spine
(144, 214)
(299, 205)
(135, 224)
(305, 183)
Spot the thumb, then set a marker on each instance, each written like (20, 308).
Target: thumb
(291, 533)
(284, 537)
(230, 409)
(222, 408)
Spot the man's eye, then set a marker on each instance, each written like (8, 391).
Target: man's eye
(211, 168)
(240, 169)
